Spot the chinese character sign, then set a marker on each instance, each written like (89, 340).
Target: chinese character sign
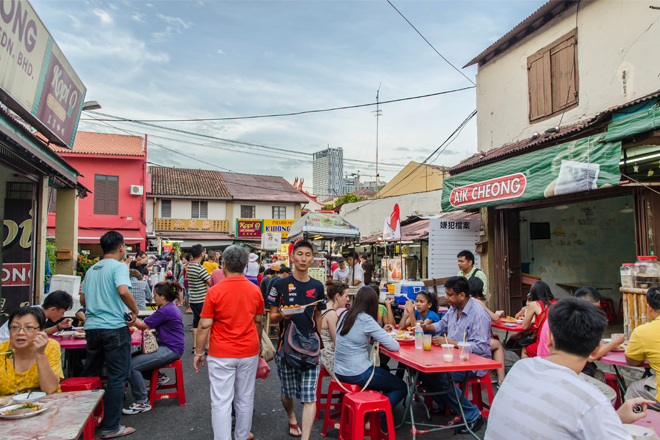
(248, 228)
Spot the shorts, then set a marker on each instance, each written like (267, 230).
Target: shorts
(298, 384)
(197, 311)
(186, 295)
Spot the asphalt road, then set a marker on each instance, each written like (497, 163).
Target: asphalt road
(167, 420)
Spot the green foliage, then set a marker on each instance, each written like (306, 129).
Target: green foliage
(51, 254)
(346, 198)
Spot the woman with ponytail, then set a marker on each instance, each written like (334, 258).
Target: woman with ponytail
(171, 343)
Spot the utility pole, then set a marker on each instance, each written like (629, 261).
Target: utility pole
(378, 115)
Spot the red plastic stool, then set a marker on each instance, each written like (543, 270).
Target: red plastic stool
(331, 419)
(354, 411)
(321, 397)
(83, 384)
(180, 389)
(608, 306)
(475, 384)
(610, 379)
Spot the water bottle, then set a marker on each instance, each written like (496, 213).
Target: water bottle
(419, 336)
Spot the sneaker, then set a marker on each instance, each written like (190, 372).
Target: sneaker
(162, 380)
(137, 408)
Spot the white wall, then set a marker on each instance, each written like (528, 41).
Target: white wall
(589, 242)
(149, 215)
(613, 37)
(369, 215)
(264, 210)
(182, 208)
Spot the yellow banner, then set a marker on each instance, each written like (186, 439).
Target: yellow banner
(281, 226)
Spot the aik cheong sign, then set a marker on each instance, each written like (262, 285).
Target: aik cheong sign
(501, 188)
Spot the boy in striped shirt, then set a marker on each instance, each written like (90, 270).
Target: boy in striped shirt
(198, 284)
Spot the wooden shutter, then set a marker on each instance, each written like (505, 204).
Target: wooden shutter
(203, 209)
(112, 195)
(100, 194)
(166, 208)
(564, 73)
(540, 85)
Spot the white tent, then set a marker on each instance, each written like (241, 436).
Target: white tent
(322, 226)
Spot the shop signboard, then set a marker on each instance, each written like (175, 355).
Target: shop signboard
(582, 165)
(281, 226)
(448, 237)
(249, 228)
(16, 256)
(36, 80)
(271, 241)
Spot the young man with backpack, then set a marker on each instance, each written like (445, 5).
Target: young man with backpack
(466, 269)
(298, 374)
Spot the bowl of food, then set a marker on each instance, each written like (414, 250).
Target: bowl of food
(639, 432)
(29, 397)
(292, 310)
(22, 411)
(79, 335)
(64, 334)
(519, 321)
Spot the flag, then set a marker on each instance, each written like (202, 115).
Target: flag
(392, 227)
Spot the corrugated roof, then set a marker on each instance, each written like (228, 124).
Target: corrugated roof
(365, 192)
(262, 188)
(567, 131)
(186, 182)
(526, 27)
(87, 142)
(419, 229)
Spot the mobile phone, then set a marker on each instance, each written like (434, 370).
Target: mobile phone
(127, 317)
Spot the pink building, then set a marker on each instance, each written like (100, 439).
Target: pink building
(113, 167)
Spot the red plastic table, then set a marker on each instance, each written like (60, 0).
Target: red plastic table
(509, 327)
(421, 361)
(615, 358)
(70, 344)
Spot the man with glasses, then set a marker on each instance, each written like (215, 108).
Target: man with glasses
(111, 310)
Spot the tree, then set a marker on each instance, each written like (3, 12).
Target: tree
(346, 198)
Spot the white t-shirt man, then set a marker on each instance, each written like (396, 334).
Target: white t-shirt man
(359, 275)
(543, 400)
(340, 275)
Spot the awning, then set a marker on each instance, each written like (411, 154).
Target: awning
(639, 122)
(321, 226)
(581, 165)
(415, 231)
(92, 236)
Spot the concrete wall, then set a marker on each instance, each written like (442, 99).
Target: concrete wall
(182, 208)
(369, 215)
(589, 242)
(149, 215)
(613, 38)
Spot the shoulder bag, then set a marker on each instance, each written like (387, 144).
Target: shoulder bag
(532, 337)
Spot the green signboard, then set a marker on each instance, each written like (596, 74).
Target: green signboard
(581, 165)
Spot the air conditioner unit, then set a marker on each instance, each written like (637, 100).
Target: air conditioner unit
(137, 190)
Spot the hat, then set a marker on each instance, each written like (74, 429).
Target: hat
(285, 269)
(253, 257)
(341, 260)
(275, 268)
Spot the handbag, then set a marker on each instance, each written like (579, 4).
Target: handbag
(267, 348)
(149, 342)
(263, 370)
(532, 337)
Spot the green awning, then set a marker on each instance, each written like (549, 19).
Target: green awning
(636, 123)
(581, 165)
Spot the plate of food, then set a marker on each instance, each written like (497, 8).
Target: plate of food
(22, 411)
(509, 319)
(64, 334)
(29, 397)
(404, 338)
(78, 335)
(5, 400)
(618, 348)
(292, 310)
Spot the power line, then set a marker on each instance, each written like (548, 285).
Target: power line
(427, 42)
(277, 115)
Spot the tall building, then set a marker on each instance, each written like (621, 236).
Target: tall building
(350, 184)
(329, 172)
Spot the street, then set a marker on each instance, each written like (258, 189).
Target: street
(167, 420)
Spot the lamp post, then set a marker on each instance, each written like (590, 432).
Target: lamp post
(91, 105)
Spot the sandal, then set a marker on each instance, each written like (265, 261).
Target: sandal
(123, 431)
(297, 428)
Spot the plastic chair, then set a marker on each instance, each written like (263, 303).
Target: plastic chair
(475, 384)
(83, 384)
(180, 389)
(330, 419)
(610, 379)
(321, 397)
(354, 411)
(608, 306)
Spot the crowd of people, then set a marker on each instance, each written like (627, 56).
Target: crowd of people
(555, 391)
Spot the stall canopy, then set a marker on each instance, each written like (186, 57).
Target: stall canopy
(322, 226)
(581, 165)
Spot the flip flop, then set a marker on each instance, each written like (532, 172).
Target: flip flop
(296, 427)
(123, 431)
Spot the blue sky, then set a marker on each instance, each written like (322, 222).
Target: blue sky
(201, 59)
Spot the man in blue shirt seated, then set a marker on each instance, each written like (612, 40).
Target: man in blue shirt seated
(465, 320)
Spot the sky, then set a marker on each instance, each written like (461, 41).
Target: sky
(217, 59)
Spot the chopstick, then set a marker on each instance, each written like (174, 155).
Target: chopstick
(311, 304)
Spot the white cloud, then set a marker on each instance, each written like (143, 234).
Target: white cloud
(75, 22)
(104, 16)
(220, 52)
(175, 25)
(137, 16)
(149, 5)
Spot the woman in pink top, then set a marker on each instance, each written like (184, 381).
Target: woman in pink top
(216, 276)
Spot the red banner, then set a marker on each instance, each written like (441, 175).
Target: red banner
(507, 187)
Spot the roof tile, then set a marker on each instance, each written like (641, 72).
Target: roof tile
(187, 182)
(87, 142)
(262, 188)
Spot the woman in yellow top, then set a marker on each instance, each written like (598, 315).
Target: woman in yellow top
(31, 359)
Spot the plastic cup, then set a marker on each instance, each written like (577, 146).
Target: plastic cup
(448, 352)
(464, 351)
(427, 342)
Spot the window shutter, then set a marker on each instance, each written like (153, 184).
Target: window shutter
(195, 210)
(540, 87)
(99, 195)
(564, 73)
(203, 209)
(112, 195)
(166, 208)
